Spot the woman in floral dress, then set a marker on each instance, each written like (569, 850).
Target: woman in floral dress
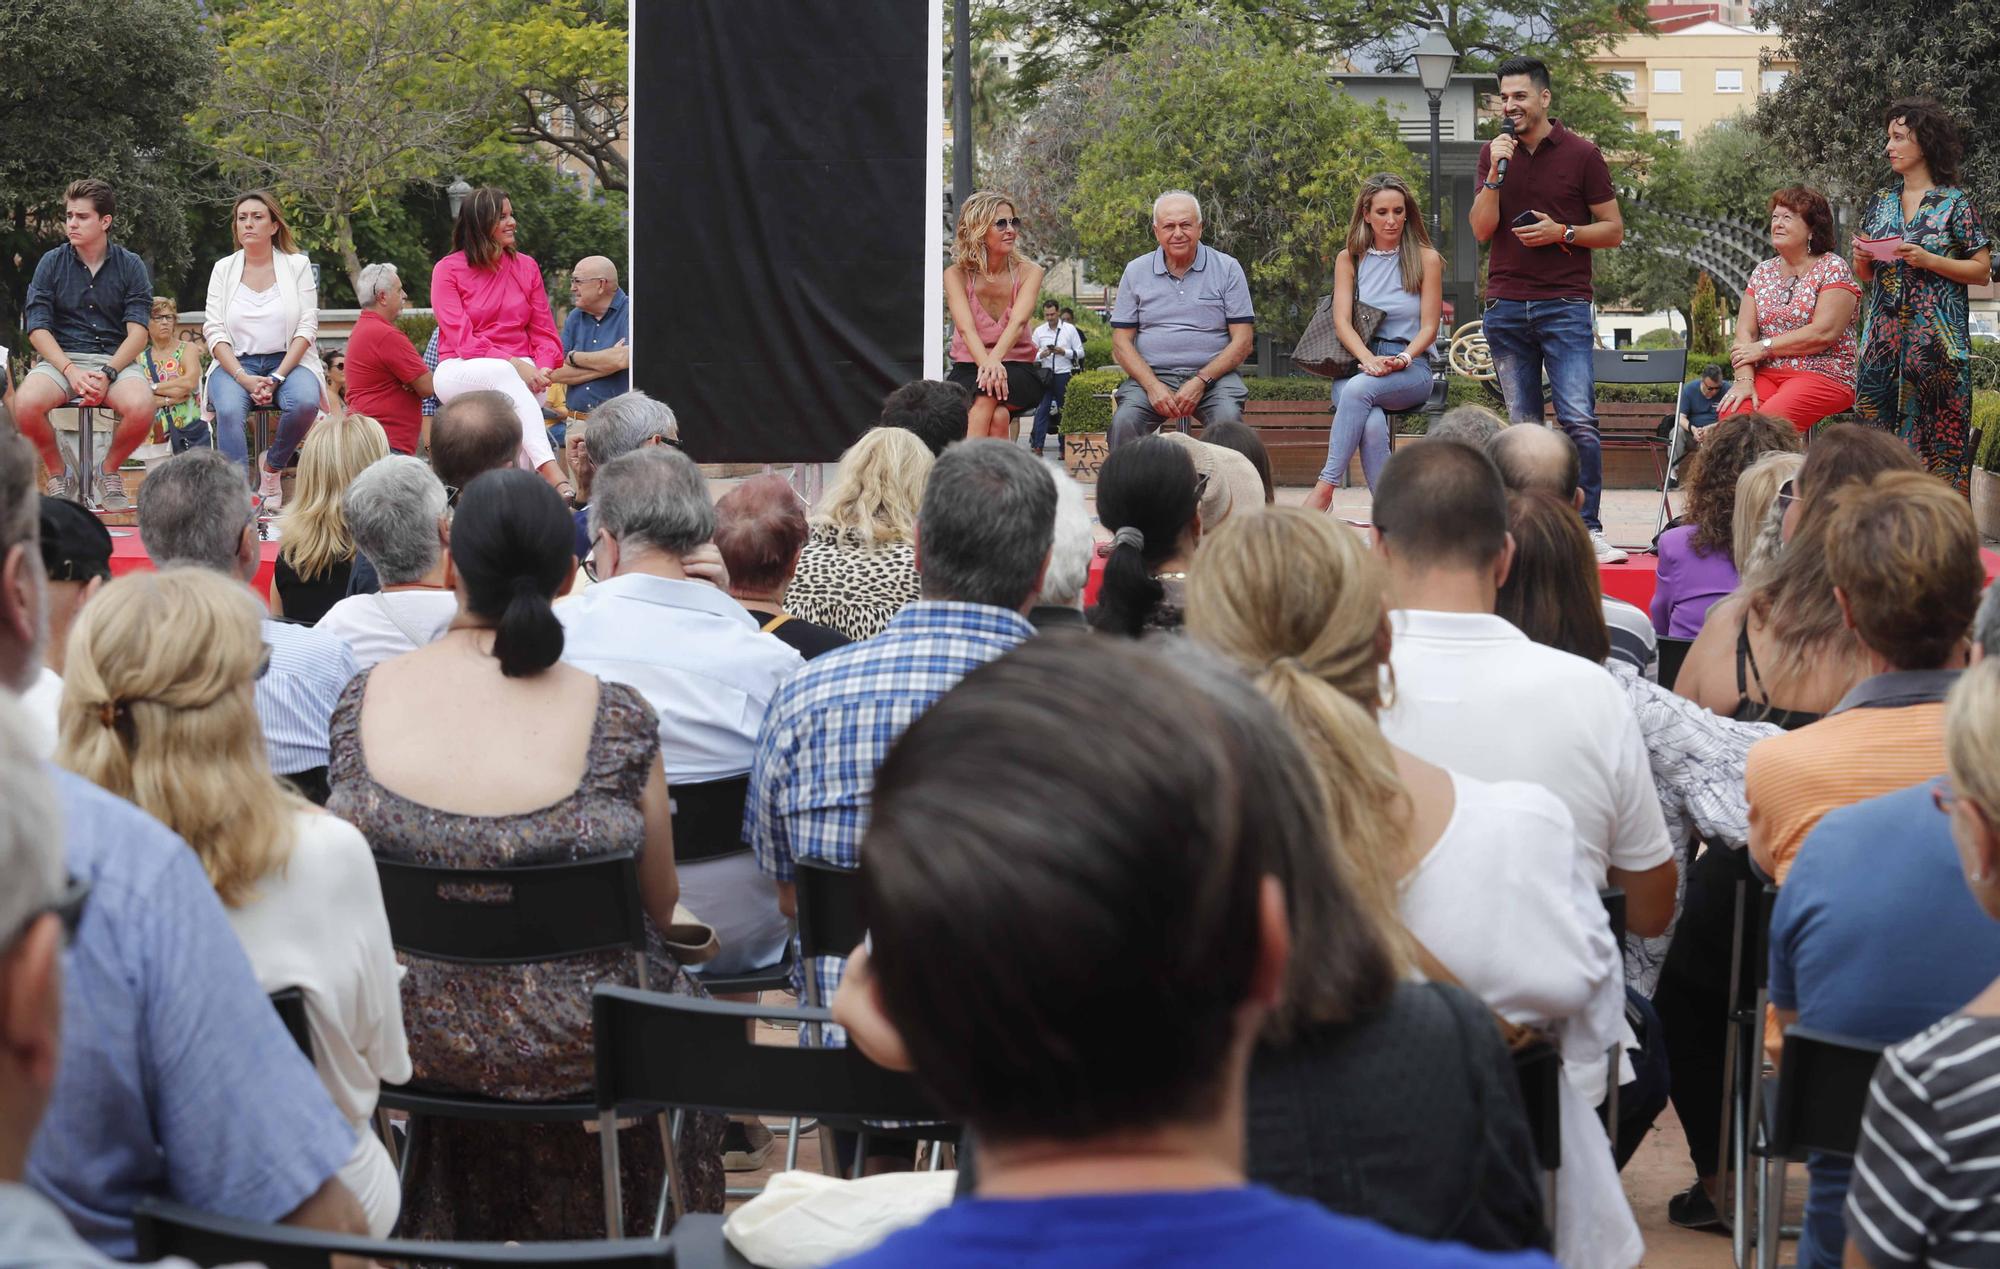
(1916, 343)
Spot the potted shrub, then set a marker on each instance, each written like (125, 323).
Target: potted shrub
(1086, 420)
(1986, 463)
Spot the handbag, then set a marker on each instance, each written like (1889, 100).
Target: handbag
(1320, 352)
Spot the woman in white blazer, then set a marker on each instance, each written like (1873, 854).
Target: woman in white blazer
(262, 326)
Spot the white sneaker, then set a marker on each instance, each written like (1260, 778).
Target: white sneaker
(1606, 553)
(270, 490)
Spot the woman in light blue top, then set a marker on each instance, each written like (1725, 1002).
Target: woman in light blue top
(1389, 263)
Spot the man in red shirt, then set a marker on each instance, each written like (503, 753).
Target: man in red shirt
(1544, 216)
(386, 376)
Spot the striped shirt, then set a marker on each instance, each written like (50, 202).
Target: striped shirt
(1886, 734)
(1926, 1187)
(295, 698)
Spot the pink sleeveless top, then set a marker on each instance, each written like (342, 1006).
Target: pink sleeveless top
(990, 328)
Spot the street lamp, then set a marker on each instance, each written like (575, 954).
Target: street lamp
(1435, 59)
(458, 191)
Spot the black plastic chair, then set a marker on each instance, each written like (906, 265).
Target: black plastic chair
(708, 825)
(510, 916)
(832, 916)
(1673, 653)
(168, 1229)
(1539, 1069)
(1613, 899)
(1743, 1056)
(291, 1006)
(1644, 366)
(673, 1052)
(1817, 1106)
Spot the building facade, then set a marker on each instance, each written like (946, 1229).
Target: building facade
(1685, 77)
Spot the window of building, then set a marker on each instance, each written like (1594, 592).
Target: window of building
(1667, 128)
(1627, 81)
(1666, 81)
(1621, 337)
(1729, 81)
(1772, 81)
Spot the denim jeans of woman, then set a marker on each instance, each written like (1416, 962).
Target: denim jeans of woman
(1361, 405)
(297, 400)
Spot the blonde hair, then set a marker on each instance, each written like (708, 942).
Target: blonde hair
(159, 707)
(1972, 737)
(878, 488)
(312, 526)
(1416, 235)
(968, 240)
(281, 233)
(1756, 492)
(1295, 599)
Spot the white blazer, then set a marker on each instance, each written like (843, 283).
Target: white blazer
(295, 287)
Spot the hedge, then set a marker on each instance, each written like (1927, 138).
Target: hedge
(417, 329)
(1986, 421)
(1084, 409)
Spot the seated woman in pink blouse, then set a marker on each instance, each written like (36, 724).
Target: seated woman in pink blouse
(1795, 349)
(494, 327)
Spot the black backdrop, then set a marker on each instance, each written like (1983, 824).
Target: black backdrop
(779, 210)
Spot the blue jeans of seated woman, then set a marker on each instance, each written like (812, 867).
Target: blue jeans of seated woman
(297, 400)
(1361, 405)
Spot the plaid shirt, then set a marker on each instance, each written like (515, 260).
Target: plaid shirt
(832, 723)
(430, 354)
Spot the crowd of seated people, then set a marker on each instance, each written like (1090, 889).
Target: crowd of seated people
(1314, 823)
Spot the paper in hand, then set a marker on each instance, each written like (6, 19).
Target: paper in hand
(1883, 249)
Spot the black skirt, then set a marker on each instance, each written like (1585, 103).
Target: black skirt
(1024, 387)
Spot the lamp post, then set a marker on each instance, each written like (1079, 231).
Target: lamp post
(456, 193)
(1435, 58)
(961, 103)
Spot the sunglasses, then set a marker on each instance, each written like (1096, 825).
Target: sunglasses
(1003, 223)
(337, 364)
(1787, 495)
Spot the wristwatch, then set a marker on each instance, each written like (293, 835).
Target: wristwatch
(1204, 378)
(1766, 341)
(277, 378)
(1489, 185)
(1569, 233)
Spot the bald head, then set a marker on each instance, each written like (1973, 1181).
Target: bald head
(593, 283)
(1536, 459)
(474, 433)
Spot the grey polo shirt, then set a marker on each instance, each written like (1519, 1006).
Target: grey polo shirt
(1182, 322)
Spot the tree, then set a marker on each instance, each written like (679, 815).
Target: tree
(102, 92)
(338, 104)
(1033, 159)
(563, 65)
(1705, 341)
(1853, 60)
(1255, 131)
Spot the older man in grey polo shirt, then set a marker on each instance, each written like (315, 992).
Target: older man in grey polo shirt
(1181, 325)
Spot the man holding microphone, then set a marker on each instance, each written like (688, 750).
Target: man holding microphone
(1545, 202)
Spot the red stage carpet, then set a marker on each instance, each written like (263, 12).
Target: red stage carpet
(127, 553)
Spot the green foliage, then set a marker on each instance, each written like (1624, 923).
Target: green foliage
(1662, 338)
(1705, 342)
(1086, 405)
(1096, 352)
(1275, 156)
(1986, 365)
(562, 64)
(416, 329)
(1289, 388)
(1852, 60)
(99, 90)
(1986, 421)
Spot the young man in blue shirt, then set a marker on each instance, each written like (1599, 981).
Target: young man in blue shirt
(1079, 976)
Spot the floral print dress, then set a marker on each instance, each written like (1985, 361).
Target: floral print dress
(523, 1031)
(1916, 341)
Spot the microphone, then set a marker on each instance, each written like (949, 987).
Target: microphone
(1500, 168)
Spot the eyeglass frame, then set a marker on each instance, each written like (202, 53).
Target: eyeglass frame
(68, 907)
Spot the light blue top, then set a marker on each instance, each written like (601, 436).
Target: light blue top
(1181, 323)
(296, 696)
(1378, 280)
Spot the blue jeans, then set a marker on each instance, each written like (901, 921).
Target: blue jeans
(1528, 336)
(297, 400)
(1050, 408)
(1361, 405)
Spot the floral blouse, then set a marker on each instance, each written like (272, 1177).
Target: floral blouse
(1786, 304)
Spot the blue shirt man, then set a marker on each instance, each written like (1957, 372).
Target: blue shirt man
(596, 336)
(177, 1079)
(1699, 398)
(1876, 937)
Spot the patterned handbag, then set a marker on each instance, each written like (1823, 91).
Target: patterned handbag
(1320, 351)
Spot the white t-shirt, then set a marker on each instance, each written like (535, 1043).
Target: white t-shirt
(389, 623)
(257, 322)
(1499, 900)
(41, 703)
(318, 924)
(1476, 695)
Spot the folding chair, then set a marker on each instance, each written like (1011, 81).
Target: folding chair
(1644, 366)
(291, 1006)
(659, 1052)
(1613, 899)
(831, 920)
(169, 1229)
(1821, 1094)
(1743, 1062)
(1539, 1070)
(509, 916)
(1673, 654)
(708, 825)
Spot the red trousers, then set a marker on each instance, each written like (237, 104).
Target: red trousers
(1800, 397)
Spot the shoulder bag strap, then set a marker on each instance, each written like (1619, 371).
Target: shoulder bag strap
(775, 622)
(1514, 1035)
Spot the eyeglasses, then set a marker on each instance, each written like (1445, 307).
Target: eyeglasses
(68, 908)
(1943, 797)
(577, 282)
(1787, 495)
(450, 497)
(336, 365)
(264, 662)
(1200, 485)
(1003, 223)
(590, 560)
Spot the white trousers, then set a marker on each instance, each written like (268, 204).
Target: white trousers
(461, 375)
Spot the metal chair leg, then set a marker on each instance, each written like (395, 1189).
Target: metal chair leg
(792, 1146)
(1770, 1211)
(86, 457)
(671, 1195)
(614, 1200)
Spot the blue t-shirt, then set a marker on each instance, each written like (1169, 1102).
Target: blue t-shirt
(1250, 1226)
(1875, 936)
(1698, 405)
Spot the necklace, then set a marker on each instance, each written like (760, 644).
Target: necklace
(1170, 577)
(1382, 251)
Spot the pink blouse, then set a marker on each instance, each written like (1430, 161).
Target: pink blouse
(1786, 304)
(991, 327)
(498, 312)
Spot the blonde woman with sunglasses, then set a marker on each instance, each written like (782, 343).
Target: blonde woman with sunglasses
(991, 290)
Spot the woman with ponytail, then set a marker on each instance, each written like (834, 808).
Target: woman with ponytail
(1475, 882)
(1149, 496)
(483, 750)
(159, 707)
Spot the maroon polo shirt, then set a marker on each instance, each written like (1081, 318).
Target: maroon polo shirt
(1560, 178)
(381, 364)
